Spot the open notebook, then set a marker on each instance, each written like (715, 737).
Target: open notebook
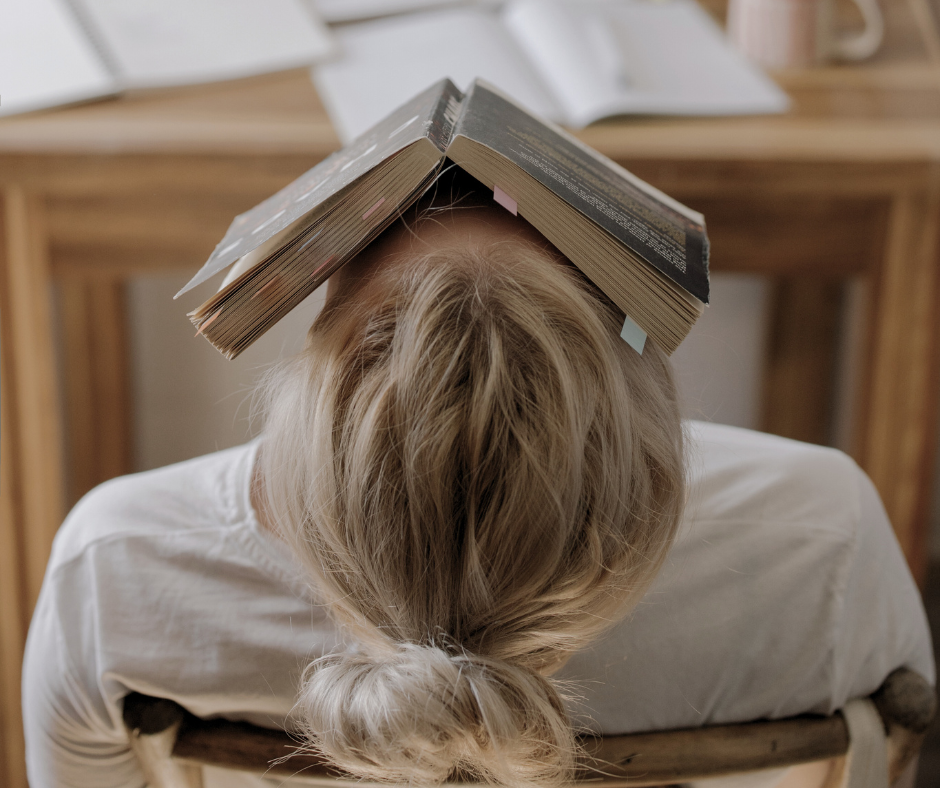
(62, 51)
(571, 62)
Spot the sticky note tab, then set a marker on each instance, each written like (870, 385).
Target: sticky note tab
(208, 322)
(322, 265)
(633, 335)
(373, 209)
(506, 201)
(274, 280)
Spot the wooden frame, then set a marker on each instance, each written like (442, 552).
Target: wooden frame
(171, 744)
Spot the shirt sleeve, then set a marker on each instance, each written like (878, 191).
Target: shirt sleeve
(71, 739)
(883, 624)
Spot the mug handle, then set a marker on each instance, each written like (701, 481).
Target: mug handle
(858, 46)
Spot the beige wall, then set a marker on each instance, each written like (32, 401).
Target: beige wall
(718, 366)
(189, 400)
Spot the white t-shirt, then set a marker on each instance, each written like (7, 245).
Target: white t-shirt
(786, 592)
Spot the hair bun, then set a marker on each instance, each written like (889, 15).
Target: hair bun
(422, 712)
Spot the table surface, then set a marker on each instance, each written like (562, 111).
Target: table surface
(885, 108)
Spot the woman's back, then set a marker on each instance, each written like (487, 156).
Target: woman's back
(753, 615)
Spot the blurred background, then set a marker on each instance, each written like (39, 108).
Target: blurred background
(131, 136)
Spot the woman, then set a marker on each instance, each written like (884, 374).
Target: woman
(465, 481)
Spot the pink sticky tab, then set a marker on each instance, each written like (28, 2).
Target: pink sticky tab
(208, 322)
(373, 209)
(322, 265)
(506, 201)
(274, 280)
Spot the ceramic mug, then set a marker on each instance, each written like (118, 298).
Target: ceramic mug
(792, 33)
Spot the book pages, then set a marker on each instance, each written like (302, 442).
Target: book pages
(636, 57)
(669, 240)
(570, 62)
(386, 61)
(241, 312)
(659, 307)
(175, 42)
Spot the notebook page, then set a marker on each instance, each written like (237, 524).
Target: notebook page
(158, 43)
(385, 62)
(551, 36)
(638, 57)
(46, 58)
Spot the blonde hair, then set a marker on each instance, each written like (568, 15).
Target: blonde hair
(480, 477)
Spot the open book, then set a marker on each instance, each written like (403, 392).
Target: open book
(645, 251)
(574, 62)
(62, 51)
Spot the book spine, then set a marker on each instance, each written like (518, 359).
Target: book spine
(443, 118)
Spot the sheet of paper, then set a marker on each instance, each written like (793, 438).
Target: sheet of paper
(46, 59)
(385, 62)
(606, 58)
(157, 43)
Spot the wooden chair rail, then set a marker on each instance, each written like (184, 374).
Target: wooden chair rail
(905, 701)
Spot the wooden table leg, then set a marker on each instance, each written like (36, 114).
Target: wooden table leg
(31, 462)
(96, 376)
(13, 622)
(37, 432)
(896, 424)
(801, 358)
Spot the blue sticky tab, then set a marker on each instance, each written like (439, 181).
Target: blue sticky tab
(633, 335)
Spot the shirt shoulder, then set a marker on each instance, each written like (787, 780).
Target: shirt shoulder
(785, 593)
(208, 492)
(743, 475)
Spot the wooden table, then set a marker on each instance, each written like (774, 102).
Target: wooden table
(845, 187)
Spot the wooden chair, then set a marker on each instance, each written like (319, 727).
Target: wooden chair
(172, 744)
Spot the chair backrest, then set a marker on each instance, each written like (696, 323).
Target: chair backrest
(172, 744)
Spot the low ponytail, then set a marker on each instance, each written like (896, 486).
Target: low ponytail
(425, 714)
(480, 476)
